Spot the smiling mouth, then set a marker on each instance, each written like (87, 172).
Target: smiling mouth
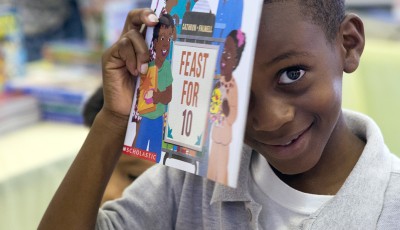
(294, 139)
(164, 52)
(290, 142)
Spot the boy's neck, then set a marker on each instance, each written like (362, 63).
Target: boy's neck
(335, 165)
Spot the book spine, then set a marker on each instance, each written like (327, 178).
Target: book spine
(18, 121)
(48, 94)
(60, 117)
(62, 108)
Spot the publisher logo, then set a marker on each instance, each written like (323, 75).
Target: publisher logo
(139, 153)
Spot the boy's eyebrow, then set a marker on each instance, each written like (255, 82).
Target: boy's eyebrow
(288, 55)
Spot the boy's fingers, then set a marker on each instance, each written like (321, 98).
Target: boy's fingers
(131, 49)
(141, 51)
(136, 18)
(143, 30)
(126, 53)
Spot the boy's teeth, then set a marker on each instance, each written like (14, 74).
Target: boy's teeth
(290, 142)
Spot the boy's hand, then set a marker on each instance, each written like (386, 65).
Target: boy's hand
(76, 203)
(122, 63)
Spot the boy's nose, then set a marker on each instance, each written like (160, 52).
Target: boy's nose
(270, 113)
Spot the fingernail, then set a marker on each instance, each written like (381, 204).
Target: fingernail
(143, 68)
(152, 18)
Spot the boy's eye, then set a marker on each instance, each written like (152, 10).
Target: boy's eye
(162, 38)
(291, 75)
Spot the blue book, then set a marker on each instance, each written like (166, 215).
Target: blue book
(62, 117)
(48, 94)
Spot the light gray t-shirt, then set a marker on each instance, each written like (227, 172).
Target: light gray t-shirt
(166, 198)
(283, 207)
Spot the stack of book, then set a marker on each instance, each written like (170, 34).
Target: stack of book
(62, 91)
(73, 52)
(17, 110)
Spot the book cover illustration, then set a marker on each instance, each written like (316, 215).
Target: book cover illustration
(189, 110)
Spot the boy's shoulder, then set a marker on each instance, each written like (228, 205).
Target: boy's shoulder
(396, 165)
(393, 188)
(391, 207)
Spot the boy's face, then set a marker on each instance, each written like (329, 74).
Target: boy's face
(126, 171)
(162, 44)
(296, 90)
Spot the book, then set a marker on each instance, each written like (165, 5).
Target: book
(73, 52)
(60, 90)
(189, 110)
(17, 110)
(12, 53)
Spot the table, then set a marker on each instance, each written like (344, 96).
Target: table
(33, 161)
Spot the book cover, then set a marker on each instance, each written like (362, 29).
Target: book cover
(189, 110)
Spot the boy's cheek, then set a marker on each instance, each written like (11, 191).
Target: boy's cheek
(248, 139)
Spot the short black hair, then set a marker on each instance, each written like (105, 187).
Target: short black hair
(92, 107)
(328, 14)
(166, 21)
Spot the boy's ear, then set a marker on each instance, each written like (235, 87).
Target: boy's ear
(353, 41)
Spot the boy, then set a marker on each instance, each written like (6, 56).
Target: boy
(307, 164)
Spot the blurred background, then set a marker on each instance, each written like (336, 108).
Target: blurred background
(50, 55)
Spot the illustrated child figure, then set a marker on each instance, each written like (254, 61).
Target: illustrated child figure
(167, 8)
(229, 14)
(150, 132)
(226, 91)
